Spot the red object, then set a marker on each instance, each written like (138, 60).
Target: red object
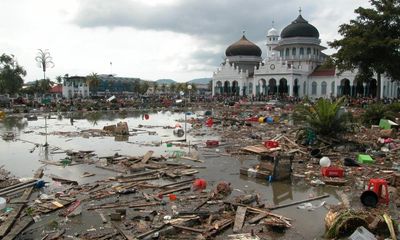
(209, 122)
(380, 187)
(146, 116)
(252, 119)
(332, 171)
(271, 144)
(172, 197)
(199, 184)
(212, 143)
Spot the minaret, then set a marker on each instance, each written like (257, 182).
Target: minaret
(272, 42)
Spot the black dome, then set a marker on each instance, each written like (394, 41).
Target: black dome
(299, 28)
(243, 47)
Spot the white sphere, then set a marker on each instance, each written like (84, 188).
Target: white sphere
(324, 162)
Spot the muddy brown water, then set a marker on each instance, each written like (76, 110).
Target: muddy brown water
(22, 158)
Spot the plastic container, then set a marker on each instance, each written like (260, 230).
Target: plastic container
(3, 203)
(361, 158)
(332, 171)
(261, 119)
(199, 184)
(172, 197)
(270, 120)
(271, 144)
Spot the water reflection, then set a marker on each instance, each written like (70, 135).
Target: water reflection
(11, 123)
(281, 191)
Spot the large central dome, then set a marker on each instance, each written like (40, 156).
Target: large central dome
(299, 28)
(243, 47)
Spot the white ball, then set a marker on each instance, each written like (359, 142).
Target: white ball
(324, 162)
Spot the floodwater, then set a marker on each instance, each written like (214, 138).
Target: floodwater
(22, 158)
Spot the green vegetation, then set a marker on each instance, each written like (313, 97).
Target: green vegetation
(324, 117)
(370, 42)
(376, 112)
(11, 74)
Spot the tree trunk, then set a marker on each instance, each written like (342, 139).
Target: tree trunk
(378, 87)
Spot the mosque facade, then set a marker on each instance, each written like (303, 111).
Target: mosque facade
(293, 66)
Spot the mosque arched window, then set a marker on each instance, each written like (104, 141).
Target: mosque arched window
(308, 51)
(333, 87)
(323, 88)
(281, 53)
(287, 52)
(301, 51)
(293, 51)
(314, 88)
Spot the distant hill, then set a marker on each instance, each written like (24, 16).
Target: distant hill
(200, 80)
(165, 81)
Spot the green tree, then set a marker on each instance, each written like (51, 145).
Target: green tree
(59, 79)
(11, 74)
(163, 87)
(324, 117)
(371, 42)
(93, 81)
(136, 86)
(44, 60)
(172, 87)
(144, 86)
(44, 85)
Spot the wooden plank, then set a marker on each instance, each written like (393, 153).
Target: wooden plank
(258, 149)
(239, 219)
(8, 223)
(124, 233)
(147, 156)
(298, 202)
(189, 229)
(174, 190)
(18, 228)
(257, 218)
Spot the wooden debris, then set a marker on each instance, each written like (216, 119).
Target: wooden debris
(239, 219)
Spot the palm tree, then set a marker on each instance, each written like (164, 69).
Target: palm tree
(93, 81)
(324, 117)
(44, 60)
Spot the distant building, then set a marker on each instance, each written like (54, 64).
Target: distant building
(293, 67)
(116, 85)
(75, 87)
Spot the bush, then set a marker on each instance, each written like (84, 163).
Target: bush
(375, 112)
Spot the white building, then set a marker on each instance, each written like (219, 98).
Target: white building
(75, 87)
(292, 67)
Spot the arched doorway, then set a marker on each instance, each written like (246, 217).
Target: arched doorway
(359, 88)
(372, 88)
(283, 87)
(345, 86)
(262, 85)
(250, 88)
(218, 88)
(235, 88)
(227, 87)
(272, 87)
(296, 88)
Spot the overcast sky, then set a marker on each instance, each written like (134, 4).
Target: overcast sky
(150, 39)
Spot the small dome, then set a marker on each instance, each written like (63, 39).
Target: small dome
(243, 47)
(299, 28)
(272, 32)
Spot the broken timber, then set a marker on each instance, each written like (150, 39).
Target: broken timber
(239, 218)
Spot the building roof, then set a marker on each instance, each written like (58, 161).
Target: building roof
(323, 72)
(56, 89)
(272, 32)
(299, 28)
(243, 47)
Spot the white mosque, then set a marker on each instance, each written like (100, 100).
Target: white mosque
(293, 67)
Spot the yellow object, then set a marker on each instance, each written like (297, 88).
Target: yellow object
(389, 223)
(261, 119)
(2, 114)
(57, 204)
(276, 119)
